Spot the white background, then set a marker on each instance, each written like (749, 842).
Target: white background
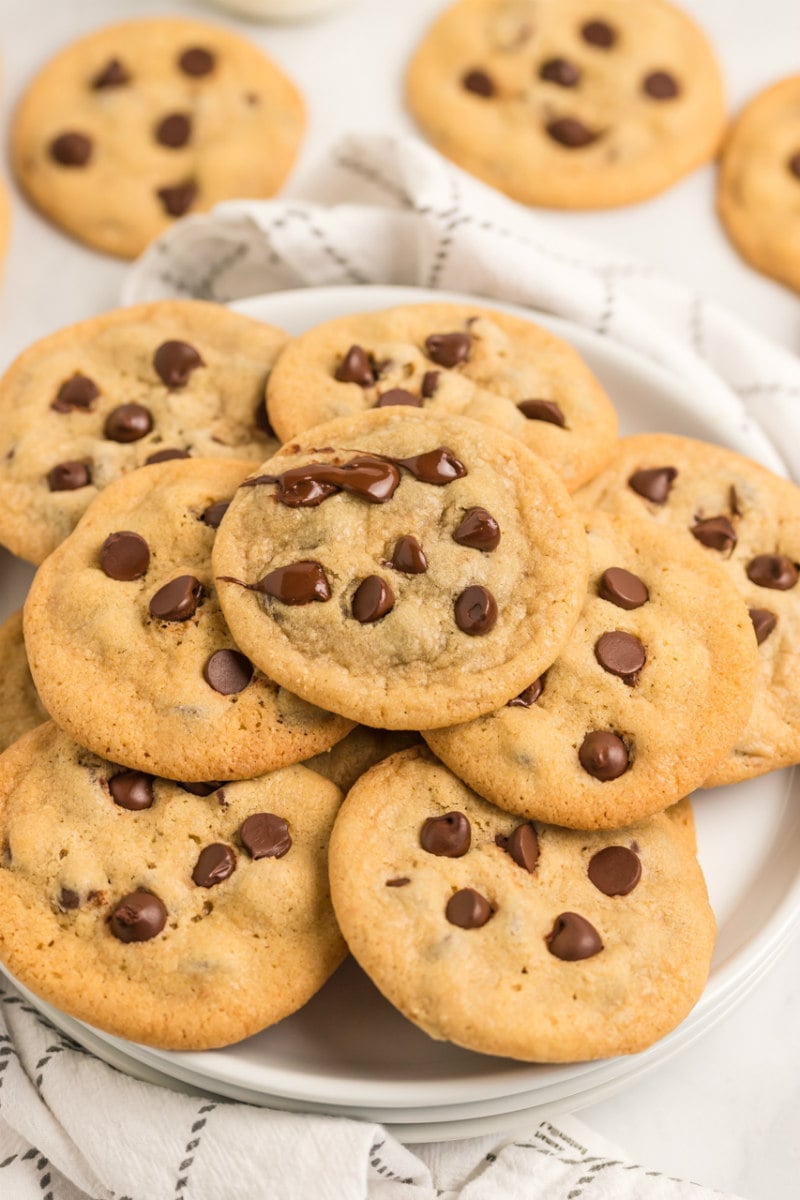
(726, 1112)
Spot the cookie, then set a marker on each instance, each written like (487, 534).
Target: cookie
(523, 940)
(351, 758)
(652, 689)
(748, 521)
(400, 569)
(90, 403)
(450, 359)
(139, 123)
(173, 919)
(20, 706)
(569, 103)
(759, 182)
(131, 653)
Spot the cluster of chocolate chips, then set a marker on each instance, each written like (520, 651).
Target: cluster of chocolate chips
(75, 149)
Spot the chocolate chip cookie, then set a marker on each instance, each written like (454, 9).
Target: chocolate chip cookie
(568, 103)
(178, 920)
(510, 938)
(450, 359)
(747, 520)
(401, 569)
(139, 123)
(135, 386)
(129, 647)
(20, 706)
(653, 688)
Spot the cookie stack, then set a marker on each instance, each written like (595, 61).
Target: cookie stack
(410, 559)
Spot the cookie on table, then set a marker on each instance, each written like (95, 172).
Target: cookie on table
(400, 569)
(177, 920)
(129, 648)
(455, 359)
(747, 520)
(85, 405)
(20, 706)
(139, 123)
(759, 182)
(539, 943)
(569, 103)
(363, 747)
(652, 689)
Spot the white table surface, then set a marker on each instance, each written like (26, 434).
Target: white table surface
(726, 1112)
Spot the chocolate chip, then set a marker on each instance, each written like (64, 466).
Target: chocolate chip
(430, 382)
(620, 654)
(174, 363)
(603, 755)
(478, 82)
(77, 392)
(132, 790)
(400, 882)
(438, 467)
(468, 909)
(408, 556)
(542, 410)
(715, 532)
(615, 871)
(174, 130)
(128, 423)
(68, 477)
(296, 583)
(138, 917)
(476, 611)
(178, 199)
(654, 483)
(355, 367)
(71, 149)
(373, 599)
(124, 556)
(573, 938)
(622, 588)
(571, 133)
(265, 836)
(112, 75)
(529, 695)
(215, 864)
(478, 530)
(448, 836)
(772, 571)
(228, 672)
(398, 396)
(522, 845)
(764, 622)
(660, 85)
(215, 512)
(448, 349)
(68, 900)
(197, 61)
(201, 789)
(599, 33)
(165, 456)
(560, 71)
(177, 600)
(794, 164)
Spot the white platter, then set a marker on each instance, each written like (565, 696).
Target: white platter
(348, 1052)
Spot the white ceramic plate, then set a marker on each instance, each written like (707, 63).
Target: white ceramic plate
(348, 1051)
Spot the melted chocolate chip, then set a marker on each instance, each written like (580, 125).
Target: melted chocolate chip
(430, 382)
(197, 61)
(448, 349)
(68, 900)
(622, 588)
(215, 512)
(165, 456)
(215, 864)
(772, 571)
(372, 599)
(138, 917)
(400, 882)
(468, 909)
(529, 695)
(177, 600)
(478, 82)
(560, 71)
(764, 622)
(715, 532)
(599, 33)
(202, 789)
(112, 75)
(397, 396)
(71, 149)
(476, 611)
(355, 367)
(124, 556)
(654, 483)
(522, 845)
(573, 938)
(408, 556)
(296, 583)
(174, 131)
(437, 467)
(265, 836)
(177, 199)
(448, 836)
(603, 755)
(794, 165)
(571, 133)
(620, 654)
(478, 530)
(132, 790)
(615, 871)
(371, 478)
(68, 477)
(228, 672)
(542, 410)
(174, 362)
(77, 392)
(128, 423)
(660, 85)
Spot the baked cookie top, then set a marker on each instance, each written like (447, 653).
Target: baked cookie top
(759, 182)
(569, 103)
(139, 123)
(747, 520)
(177, 920)
(129, 648)
(540, 943)
(95, 400)
(20, 706)
(652, 689)
(450, 359)
(400, 568)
